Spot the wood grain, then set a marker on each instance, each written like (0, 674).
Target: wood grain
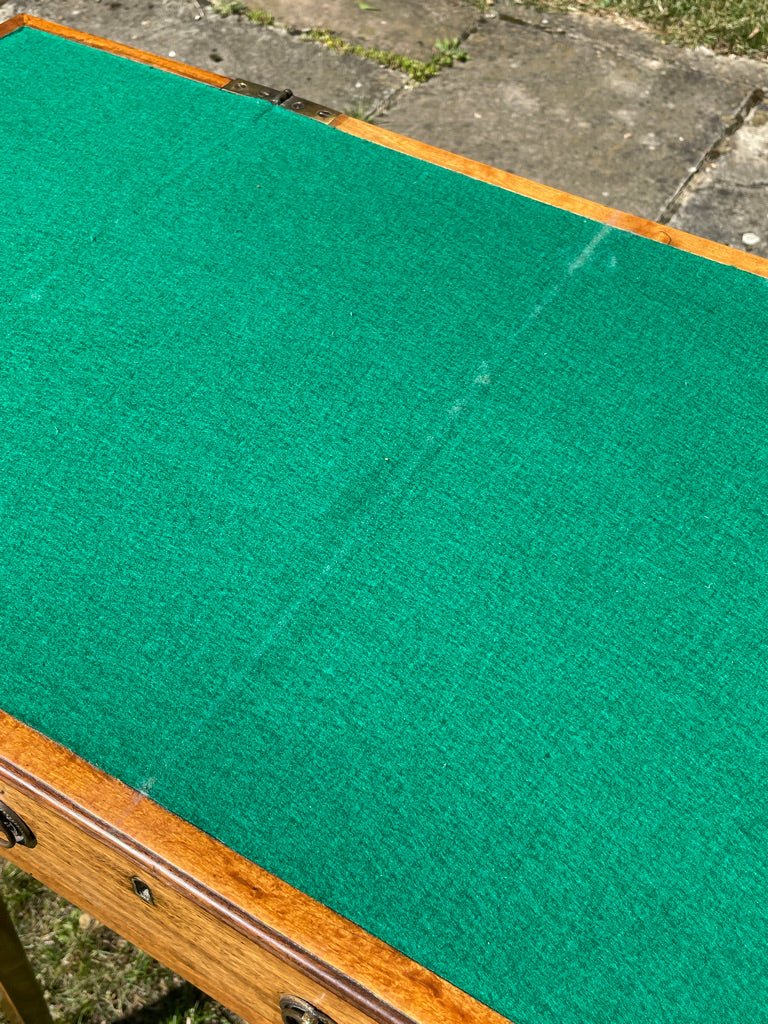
(205, 948)
(235, 930)
(12, 24)
(119, 50)
(238, 932)
(714, 251)
(703, 247)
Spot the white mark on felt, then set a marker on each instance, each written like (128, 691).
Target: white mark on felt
(586, 253)
(483, 375)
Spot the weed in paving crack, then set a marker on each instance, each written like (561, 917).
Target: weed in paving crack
(228, 7)
(447, 51)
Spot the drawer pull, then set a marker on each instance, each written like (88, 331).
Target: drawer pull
(298, 1011)
(14, 831)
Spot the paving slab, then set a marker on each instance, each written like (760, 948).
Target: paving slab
(581, 103)
(728, 200)
(593, 105)
(233, 46)
(409, 27)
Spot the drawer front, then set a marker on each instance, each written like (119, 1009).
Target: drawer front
(215, 946)
(238, 932)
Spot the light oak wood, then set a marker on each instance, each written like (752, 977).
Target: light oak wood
(176, 67)
(666, 235)
(20, 995)
(238, 932)
(663, 233)
(12, 24)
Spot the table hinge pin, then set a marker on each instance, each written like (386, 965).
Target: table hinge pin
(282, 98)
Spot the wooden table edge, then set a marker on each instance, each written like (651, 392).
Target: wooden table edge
(705, 248)
(366, 972)
(176, 67)
(362, 970)
(663, 233)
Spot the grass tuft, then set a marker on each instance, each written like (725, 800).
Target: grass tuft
(90, 975)
(360, 112)
(726, 26)
(228, 7)
(447, 52)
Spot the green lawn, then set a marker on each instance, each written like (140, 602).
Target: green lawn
(728, 26)
(89, 974)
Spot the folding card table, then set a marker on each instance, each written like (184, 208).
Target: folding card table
(383, 559)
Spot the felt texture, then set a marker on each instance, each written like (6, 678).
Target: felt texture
(405, 534)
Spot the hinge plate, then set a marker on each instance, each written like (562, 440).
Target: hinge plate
(310, 109)
(282, 98)
(261, 92)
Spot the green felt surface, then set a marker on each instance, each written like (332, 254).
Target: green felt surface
(405, 534)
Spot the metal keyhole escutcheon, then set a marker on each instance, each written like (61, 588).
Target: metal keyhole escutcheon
(14, 831)
(298, 1011)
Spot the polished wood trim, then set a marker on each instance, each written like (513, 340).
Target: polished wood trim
(176, 67)
(215, 952)
(116, 826)
(703, 247)
(12, 24)
(710, 250)
(354, 969)
(20, 994)
(217, 901)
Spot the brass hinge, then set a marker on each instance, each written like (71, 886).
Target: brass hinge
(284, 98)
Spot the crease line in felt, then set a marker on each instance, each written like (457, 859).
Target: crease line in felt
(434, 443)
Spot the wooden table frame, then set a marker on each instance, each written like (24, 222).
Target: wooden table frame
(239, 933)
